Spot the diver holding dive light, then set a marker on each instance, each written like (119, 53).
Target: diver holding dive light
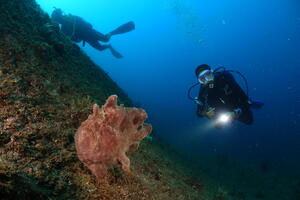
(220, 97)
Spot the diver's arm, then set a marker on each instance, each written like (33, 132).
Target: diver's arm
(205, 111)
(198, 112)
(199, 101)
(202, 107)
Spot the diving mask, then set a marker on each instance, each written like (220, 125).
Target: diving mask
(205, 77)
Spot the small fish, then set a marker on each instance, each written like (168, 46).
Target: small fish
(200, 41)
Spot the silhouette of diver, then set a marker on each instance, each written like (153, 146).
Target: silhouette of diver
(81, 31)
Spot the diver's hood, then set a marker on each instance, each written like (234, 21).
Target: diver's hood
(57, 15)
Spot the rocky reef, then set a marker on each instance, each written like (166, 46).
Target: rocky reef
(47, 89)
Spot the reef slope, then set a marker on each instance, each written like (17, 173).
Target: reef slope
(47, 88)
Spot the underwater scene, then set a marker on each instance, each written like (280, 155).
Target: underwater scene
(149, 100)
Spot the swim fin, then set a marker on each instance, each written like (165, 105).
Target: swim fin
(129, 26)
(256, 104)
(115, 53)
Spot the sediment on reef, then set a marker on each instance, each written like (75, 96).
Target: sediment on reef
(47, 88)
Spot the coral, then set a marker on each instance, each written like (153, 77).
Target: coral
(108, 134)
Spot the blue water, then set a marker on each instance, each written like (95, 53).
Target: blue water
(261, 39)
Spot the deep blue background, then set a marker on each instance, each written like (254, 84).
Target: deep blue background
(261, 39)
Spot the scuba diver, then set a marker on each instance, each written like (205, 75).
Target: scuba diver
(220, 97)
(81, 31)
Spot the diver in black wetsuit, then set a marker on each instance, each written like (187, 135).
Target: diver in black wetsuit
(81, 31)
(221, 98)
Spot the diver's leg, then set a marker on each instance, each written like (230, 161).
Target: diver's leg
(101, 37)
(127, 27)
(115, 53)
(100, 47)
(97, 45)
(246, 117)
(256, 104)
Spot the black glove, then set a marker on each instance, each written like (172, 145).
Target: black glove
(237, 112)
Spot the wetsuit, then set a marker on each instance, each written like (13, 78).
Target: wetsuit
(80, 30)
(225, 95)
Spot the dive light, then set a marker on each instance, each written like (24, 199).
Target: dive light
(225, 118)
